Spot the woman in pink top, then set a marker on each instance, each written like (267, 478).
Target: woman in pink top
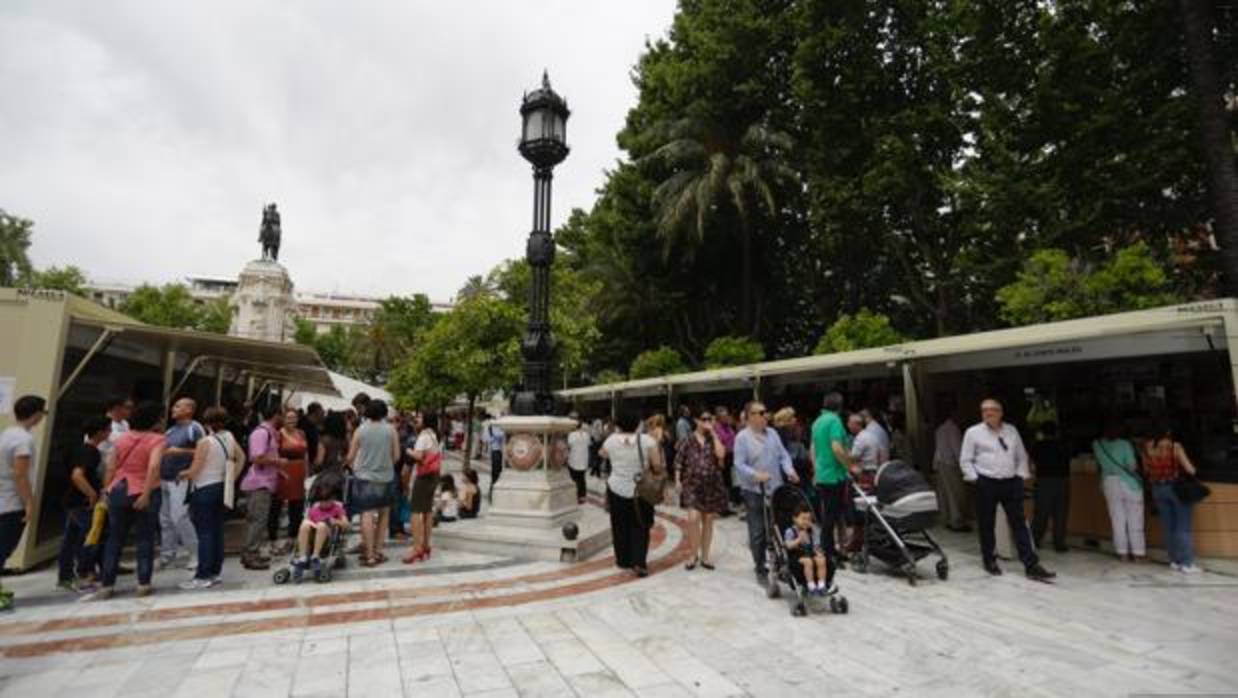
(133, 495)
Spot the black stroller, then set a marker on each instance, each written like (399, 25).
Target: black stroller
(779, 510)
(896, 519)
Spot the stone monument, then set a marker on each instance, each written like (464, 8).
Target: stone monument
(263, 305)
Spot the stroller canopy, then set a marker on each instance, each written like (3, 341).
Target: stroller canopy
(896, 480)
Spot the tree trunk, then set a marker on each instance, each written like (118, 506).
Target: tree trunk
(1198, 23)
(468, 433)
(745, 281)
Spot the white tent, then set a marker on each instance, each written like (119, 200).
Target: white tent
(347, 388)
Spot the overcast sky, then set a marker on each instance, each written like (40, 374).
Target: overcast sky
(143, 138)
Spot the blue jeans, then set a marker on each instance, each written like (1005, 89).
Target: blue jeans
(206, 510)
(755, 518)
(120, 517)
(1177, 518)
(74, 558)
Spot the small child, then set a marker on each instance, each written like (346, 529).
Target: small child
(325, 512)
(447, 506)
(798, 540)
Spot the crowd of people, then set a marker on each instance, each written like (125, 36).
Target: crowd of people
(167, 480)
(171, 477)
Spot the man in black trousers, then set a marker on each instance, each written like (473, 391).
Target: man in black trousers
(993, 458)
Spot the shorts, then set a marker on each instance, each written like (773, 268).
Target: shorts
(368, 495)
(422, 497)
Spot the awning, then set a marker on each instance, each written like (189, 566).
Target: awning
(344, 390)
(1200, 324)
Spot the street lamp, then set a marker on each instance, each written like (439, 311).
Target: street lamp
(543, 142)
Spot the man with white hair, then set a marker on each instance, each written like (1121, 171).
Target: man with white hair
(994, 459)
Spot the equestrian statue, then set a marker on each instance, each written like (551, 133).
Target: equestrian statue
(269, 233)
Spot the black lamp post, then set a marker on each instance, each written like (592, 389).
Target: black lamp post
(543, 142)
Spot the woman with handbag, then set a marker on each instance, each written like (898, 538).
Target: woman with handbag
(1164, 461)
(636, 468)
(427, 454)
(1123, 490)
(133, 497)
(208, 474)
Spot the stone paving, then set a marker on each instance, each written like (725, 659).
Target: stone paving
(469, 625)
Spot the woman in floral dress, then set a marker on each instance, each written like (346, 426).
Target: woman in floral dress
(699, 460)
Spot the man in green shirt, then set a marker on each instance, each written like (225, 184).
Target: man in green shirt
(832, 464)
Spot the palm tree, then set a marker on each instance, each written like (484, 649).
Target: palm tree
(1198, 25)
(709, 172)
(14, 241)
(474, 287)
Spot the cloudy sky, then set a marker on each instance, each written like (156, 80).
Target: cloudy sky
(143, 138)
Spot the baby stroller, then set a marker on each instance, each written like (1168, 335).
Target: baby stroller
(333, 555)
(779, 510)
(896, 519)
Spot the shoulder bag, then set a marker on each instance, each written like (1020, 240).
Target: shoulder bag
(650, 484)
(1189, 490)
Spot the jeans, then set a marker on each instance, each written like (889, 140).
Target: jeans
(76, 559)
(206, 509)
(257, 508)
(831, 510)
(496, 469)
(175, 528)
(11, 527)
(1007, 492)
(755, 518)
(121, 517)
(1125, 516)
(1177, 517)
(1053, 502)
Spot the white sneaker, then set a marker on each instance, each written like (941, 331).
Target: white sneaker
(216, 581)
(1175, 567)
(195, 584)
(1190, 569)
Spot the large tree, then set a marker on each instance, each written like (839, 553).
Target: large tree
(69, 279)
(14, 244)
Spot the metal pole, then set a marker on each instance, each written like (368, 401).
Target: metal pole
(169, 369)
(219, 382)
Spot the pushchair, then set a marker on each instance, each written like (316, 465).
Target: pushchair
(779, 510)
(333, 555)
(896, 517)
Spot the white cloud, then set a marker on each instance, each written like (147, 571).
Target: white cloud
(144, 138)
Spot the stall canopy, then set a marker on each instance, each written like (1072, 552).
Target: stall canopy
(1195, 326)
(344, 388)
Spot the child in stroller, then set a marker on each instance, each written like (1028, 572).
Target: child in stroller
(798, 539)
(322, 531)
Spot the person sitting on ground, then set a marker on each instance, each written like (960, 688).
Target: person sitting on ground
(447, 506)
(326, 511)
(798, 541)
(470, 495)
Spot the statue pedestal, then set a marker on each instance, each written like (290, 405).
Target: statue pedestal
(533, 500)
(263, 303)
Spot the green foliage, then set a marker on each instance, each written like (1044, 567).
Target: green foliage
(334, 347)
(305, 333)
(662, 361)
(472, 350)
(14, 244)
(389, 337)
(1052, 286)
(216, 316)
(168, 306)
(69, 279)
(608, 376)
(733, 351)
(864, 330)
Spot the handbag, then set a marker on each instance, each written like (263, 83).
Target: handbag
(1189, 490)
(431, 464)
(650, 485)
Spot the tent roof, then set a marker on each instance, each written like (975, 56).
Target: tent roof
(1191, 315)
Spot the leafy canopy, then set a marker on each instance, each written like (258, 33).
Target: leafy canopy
(662, 361)
(14, 244)
(864, 330)
(733, 351)
(69, 279)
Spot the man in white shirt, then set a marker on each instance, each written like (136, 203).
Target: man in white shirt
(951, 492)
(578, 456)
(993, 457)
(17, 463)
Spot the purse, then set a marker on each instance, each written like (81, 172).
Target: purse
(650, 485)
(1189, 490)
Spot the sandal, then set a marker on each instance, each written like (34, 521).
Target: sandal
(691, 564)
(380, 558)
(415, 556)
(707, 566)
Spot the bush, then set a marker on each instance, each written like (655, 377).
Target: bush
(662, 361)
(733, 351)
(863, 330)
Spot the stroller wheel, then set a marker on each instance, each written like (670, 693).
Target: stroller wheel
(281, 576)
(843, 606)
(324, 575)
(772, 589)
(911, 579)
(943, 570)
(834, 604)
(799, 610)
